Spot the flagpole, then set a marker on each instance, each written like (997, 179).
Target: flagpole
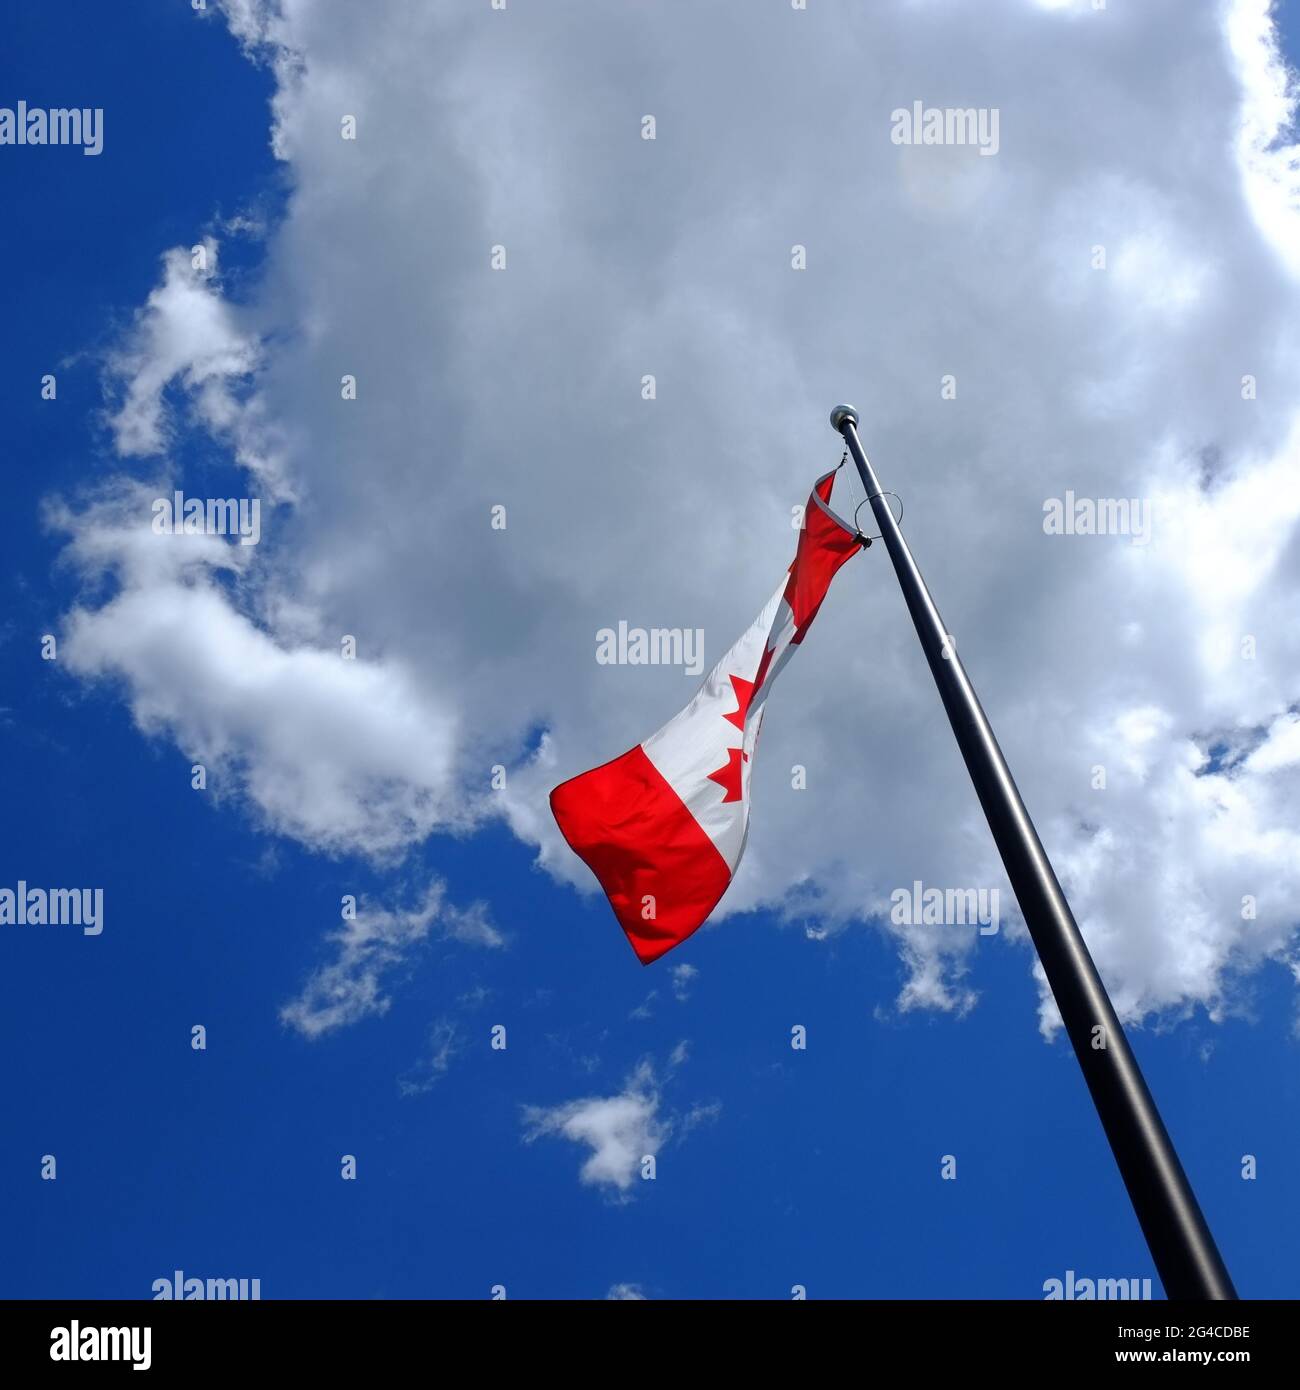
(1185, 1255)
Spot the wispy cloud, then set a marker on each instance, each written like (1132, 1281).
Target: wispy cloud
(444, 1043)
(368, 950)
(683, 976)
(189, 335)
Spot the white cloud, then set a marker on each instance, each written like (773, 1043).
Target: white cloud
(626, 1293)
(444, 1043)
(620, 1130)
(1270, 166)
(645, 1008)
(340, 754)
(1158, 138)
(368, 948)
(935, 971)
(188, 336)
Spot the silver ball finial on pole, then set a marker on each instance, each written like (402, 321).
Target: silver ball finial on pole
(842, 413)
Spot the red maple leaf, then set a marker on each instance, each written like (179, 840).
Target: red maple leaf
(744, 693)
(728, 778)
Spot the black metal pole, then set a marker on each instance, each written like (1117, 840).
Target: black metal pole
(1181, 1245)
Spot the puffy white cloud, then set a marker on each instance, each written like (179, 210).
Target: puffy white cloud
(1152, 132)
(620, 1130)
(341, 754)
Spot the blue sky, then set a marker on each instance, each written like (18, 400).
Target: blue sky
(819, 1168)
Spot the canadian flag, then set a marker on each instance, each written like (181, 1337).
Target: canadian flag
(663, 827)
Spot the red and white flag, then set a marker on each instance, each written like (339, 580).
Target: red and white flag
(663, 827)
